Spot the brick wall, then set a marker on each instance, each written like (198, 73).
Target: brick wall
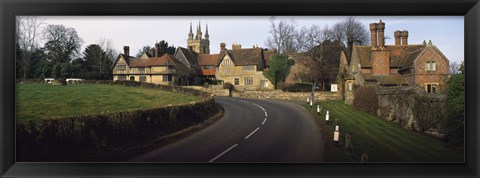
(380, 62)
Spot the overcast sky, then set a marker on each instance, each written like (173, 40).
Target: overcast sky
(446, 32)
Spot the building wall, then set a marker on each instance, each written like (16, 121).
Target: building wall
(440, 76)
(228, 73)
(380, 62)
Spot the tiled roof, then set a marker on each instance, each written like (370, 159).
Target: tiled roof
(164, 60)
(400, 56)
(266, 55)
(190, 55)
(248, 56)
(208, 59)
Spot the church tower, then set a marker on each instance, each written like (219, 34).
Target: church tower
(199, 44)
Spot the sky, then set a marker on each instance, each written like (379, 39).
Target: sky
(445, 32)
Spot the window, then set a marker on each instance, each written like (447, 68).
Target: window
(227, 62)
(430, 66)
(249, 67)
(208, 67)
(236, 81)
(350, 86)
(248, 81)
(170, 67)
(263, 83)
(122, 77)
(431, 88)
(141, 70)
(167, 78)
(143, 78)
(121, 68)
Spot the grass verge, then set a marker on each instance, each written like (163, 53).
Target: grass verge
(383, 141)
(38, 100)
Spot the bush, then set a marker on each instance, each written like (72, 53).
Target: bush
(297, 87)
(366, 100)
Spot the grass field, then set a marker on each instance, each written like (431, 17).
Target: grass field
(383, 141)
(35, 101)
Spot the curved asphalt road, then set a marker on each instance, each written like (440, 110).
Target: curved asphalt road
(251, 130)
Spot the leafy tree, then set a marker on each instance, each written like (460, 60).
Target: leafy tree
(279, 68)
(145, 49)
(97, 62)
(163, 48)
(454, 122)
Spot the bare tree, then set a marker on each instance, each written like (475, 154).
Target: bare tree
(27, 33)
(350, 32)
(107, 46)
(454, 68)
(62, 43)
(282, 36)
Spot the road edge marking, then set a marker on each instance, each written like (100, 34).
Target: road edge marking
(248, 136)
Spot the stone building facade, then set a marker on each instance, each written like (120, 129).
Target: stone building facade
(243, 68)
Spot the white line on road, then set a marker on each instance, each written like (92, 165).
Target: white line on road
(266, 114)
(252, 133)
(221, 154)
(265, 120)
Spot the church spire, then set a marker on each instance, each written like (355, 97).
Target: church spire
(190, 35)
(206, 32)
(199, 31)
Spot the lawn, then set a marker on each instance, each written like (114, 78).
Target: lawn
(383, 141)
(36, 101)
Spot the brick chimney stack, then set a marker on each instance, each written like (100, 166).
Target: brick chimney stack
(404, 35)
(381, 34)
(222, 47)
(126, 50)
(373, 34)
(397, 35)
(236, 46)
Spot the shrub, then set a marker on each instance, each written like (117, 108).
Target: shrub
(228, 86)
(366, 100)
(297, 87)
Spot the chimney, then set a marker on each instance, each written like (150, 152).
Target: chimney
(126, 50)
(381, 35)
(222, 47)
(397, 35)
(404, 35)
(236, 46)
(157, 47)
(373, 34)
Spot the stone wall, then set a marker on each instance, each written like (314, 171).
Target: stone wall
(217, 90)
(412, 108)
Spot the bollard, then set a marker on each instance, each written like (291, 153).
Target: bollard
(308, 100)
(318, 109)
(336, 136)
(311, 103)
(327, 118)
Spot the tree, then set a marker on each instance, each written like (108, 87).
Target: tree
(163, 48)
(27, 33)
(145, 49)
(97, 62)
(454, 68)
(350, 32)
(454, 122)
(62, 43)
(107, 46)
(282, 36)
(279, 68)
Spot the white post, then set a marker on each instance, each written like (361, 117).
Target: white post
(318, 109)
(311, 103)
(308, 100)
(327, 118)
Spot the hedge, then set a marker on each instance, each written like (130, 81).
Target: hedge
(296, 87)
(63, 138)
(366, 100)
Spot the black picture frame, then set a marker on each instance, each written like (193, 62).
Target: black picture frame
(470, 9)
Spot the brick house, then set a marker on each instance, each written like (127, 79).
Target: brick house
(400, 64)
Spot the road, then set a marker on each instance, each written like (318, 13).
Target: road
(251, 130)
